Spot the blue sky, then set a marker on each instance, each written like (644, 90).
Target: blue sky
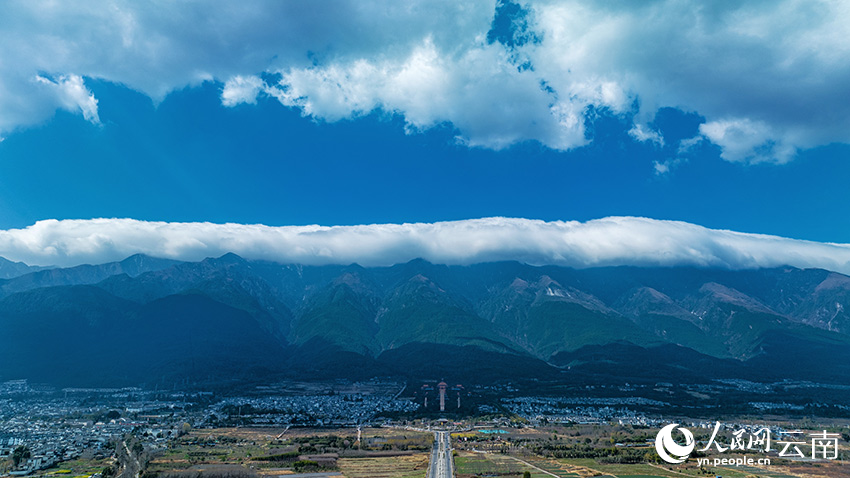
(190, 159)
(343, 113)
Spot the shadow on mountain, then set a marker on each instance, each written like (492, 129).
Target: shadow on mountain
(664, 363)
(321, 359)
(469, 364)
(808, 355)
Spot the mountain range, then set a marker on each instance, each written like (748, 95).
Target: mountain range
(225, 320)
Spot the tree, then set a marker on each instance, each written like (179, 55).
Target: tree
(20, 454)
(526, 474)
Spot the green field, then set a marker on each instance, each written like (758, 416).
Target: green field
(80, 468)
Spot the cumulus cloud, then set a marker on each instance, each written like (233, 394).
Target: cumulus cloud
(603, 242)
(756, 68)
(481, 92)
(241, 89)
(744, 140)
(767, 76)
(156, 48)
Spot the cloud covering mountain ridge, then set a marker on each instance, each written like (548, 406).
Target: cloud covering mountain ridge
(608, 241)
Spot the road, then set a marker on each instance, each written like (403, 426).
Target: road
(441, 457)
(129, 463)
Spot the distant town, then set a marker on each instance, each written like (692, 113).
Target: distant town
(126, 432)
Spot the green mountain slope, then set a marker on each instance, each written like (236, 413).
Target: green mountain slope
(228, 318)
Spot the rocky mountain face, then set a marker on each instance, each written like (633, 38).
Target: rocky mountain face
(10, 269)
(146, 320)
(32, 278)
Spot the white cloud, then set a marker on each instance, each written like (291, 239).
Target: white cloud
(743, 140)
(644, 133)
(661, 167)
(72, 95)
(480, 92)
(780, 65)
(686, 145)
(156, 48)
(602, 242)
(241, 89)
(769, 77)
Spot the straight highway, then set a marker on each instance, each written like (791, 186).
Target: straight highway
(441, 457)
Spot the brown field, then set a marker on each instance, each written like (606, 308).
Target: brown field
(271, 434)
(384, 452)
(411, 466)
(472, 465)
(401, 453)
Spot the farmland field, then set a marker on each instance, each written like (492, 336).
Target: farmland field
(468, 465)
(411, 466)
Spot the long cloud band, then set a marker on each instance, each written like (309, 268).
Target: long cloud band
(602, 242)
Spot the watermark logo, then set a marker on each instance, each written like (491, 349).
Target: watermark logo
(671, 451)
(793, 444)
